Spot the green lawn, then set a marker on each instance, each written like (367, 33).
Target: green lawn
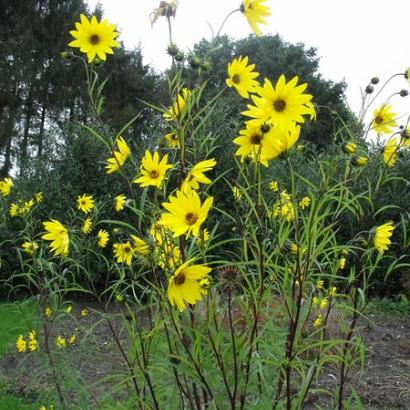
(15, 319)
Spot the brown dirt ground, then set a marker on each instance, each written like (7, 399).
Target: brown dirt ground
(384, 383)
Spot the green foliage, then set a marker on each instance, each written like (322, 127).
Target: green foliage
(399, 307)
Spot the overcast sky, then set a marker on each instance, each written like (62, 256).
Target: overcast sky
(356, 39)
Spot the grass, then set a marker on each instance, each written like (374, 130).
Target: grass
(15, 319)
(397, 308)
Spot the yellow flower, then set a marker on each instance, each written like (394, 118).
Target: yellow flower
(274, 186)
(48, 312)
(319, 321)
(103, 236)
(203, 236)
(39, 197)
(291, 247)
(390, 151)
(117, 161)
(184, 284)
(84, 313)
(178, 106)
(304, 203)
(359, 161)
(71, 339)
(87, 225)
(5, 186)
(319, 284)
(123, 252)
(349, 147)
(21, 344)
(342, 263)
(157, 232)
(153, 170)
(255, 11)
(242, 77)
(69, 309)
(119, 202)
(332, 291)
(14, 210)
(196, 175)
(281, 105)
(185, 213)
(61, 341)
(26, 208)
(58, 235)
(384, 119)
(173, 140)
(283, 207)
(85, 203)
(119, 298)
(29, 247)
(140, 246)
(382, 235)
(407, 75)
(32, 344)
(94, 38)
(323, 303)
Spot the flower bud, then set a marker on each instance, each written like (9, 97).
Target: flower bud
(179, 57)
(375, 80)
(369, 89)
(172, 50)
(404, 93)
(64, 55)
(265, 127)
(300, 148)
(349, 147)
(195, 62)
(359, 161)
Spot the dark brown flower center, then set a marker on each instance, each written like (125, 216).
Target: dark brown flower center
(179, 279)
(191, 218)
(126, 249)
(279, 105)
(94, 39)
(256, 139)
(83, 203)
(154, 174)
(378, 119)
(236, 79)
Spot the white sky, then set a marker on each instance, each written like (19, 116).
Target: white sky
(356, 39)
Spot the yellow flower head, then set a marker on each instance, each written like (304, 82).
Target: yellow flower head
(390, 151)
(14, 210)
(48, 312)
(323, 303)
(86, 228)
(173, 140)
(196, 175)
(71, 339)
(119, 202)
(359, 161)
(318, 321)
(85, 203)
(349, 147)
(21, 344)
(69, 309)
(26, 208)
(178, 106)
(342, 263)
(103, 237)
(117, 161)
(255, 11)
(38, 197)
(94, 38)
(319, 284)
(384, 119)
(280, 105)
(5, 186)
(29, 247)
(274, 186)
(157, 232)
(185, 214)
(61, 341)
(153, 170)
(185, 284)
(84, 313)
(140, 246)
(382, 235)
(32, 343)
(242, 77)
(332, 291)
(304, 203)
(283, 207)
(237, 194)
(58, 235)
(123, 252)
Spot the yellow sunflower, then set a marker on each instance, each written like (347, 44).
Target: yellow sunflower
(14, 210)
(184, 286)
(382, 235)
(140, 246)
(304, 203)
(255, 11)
(119, 202)
(185, 214)
(29, 247)
(5, 186)
(94, 38)
(117, 161)
(58, 235)
(390, 151)
(103, 237)
(283, 104)
(242, 77)
(123, 252)
(87, 225)
(173, 140)
(85, 203)
(196, 175)
(178, 106)
(153, 170)
(384, 119)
